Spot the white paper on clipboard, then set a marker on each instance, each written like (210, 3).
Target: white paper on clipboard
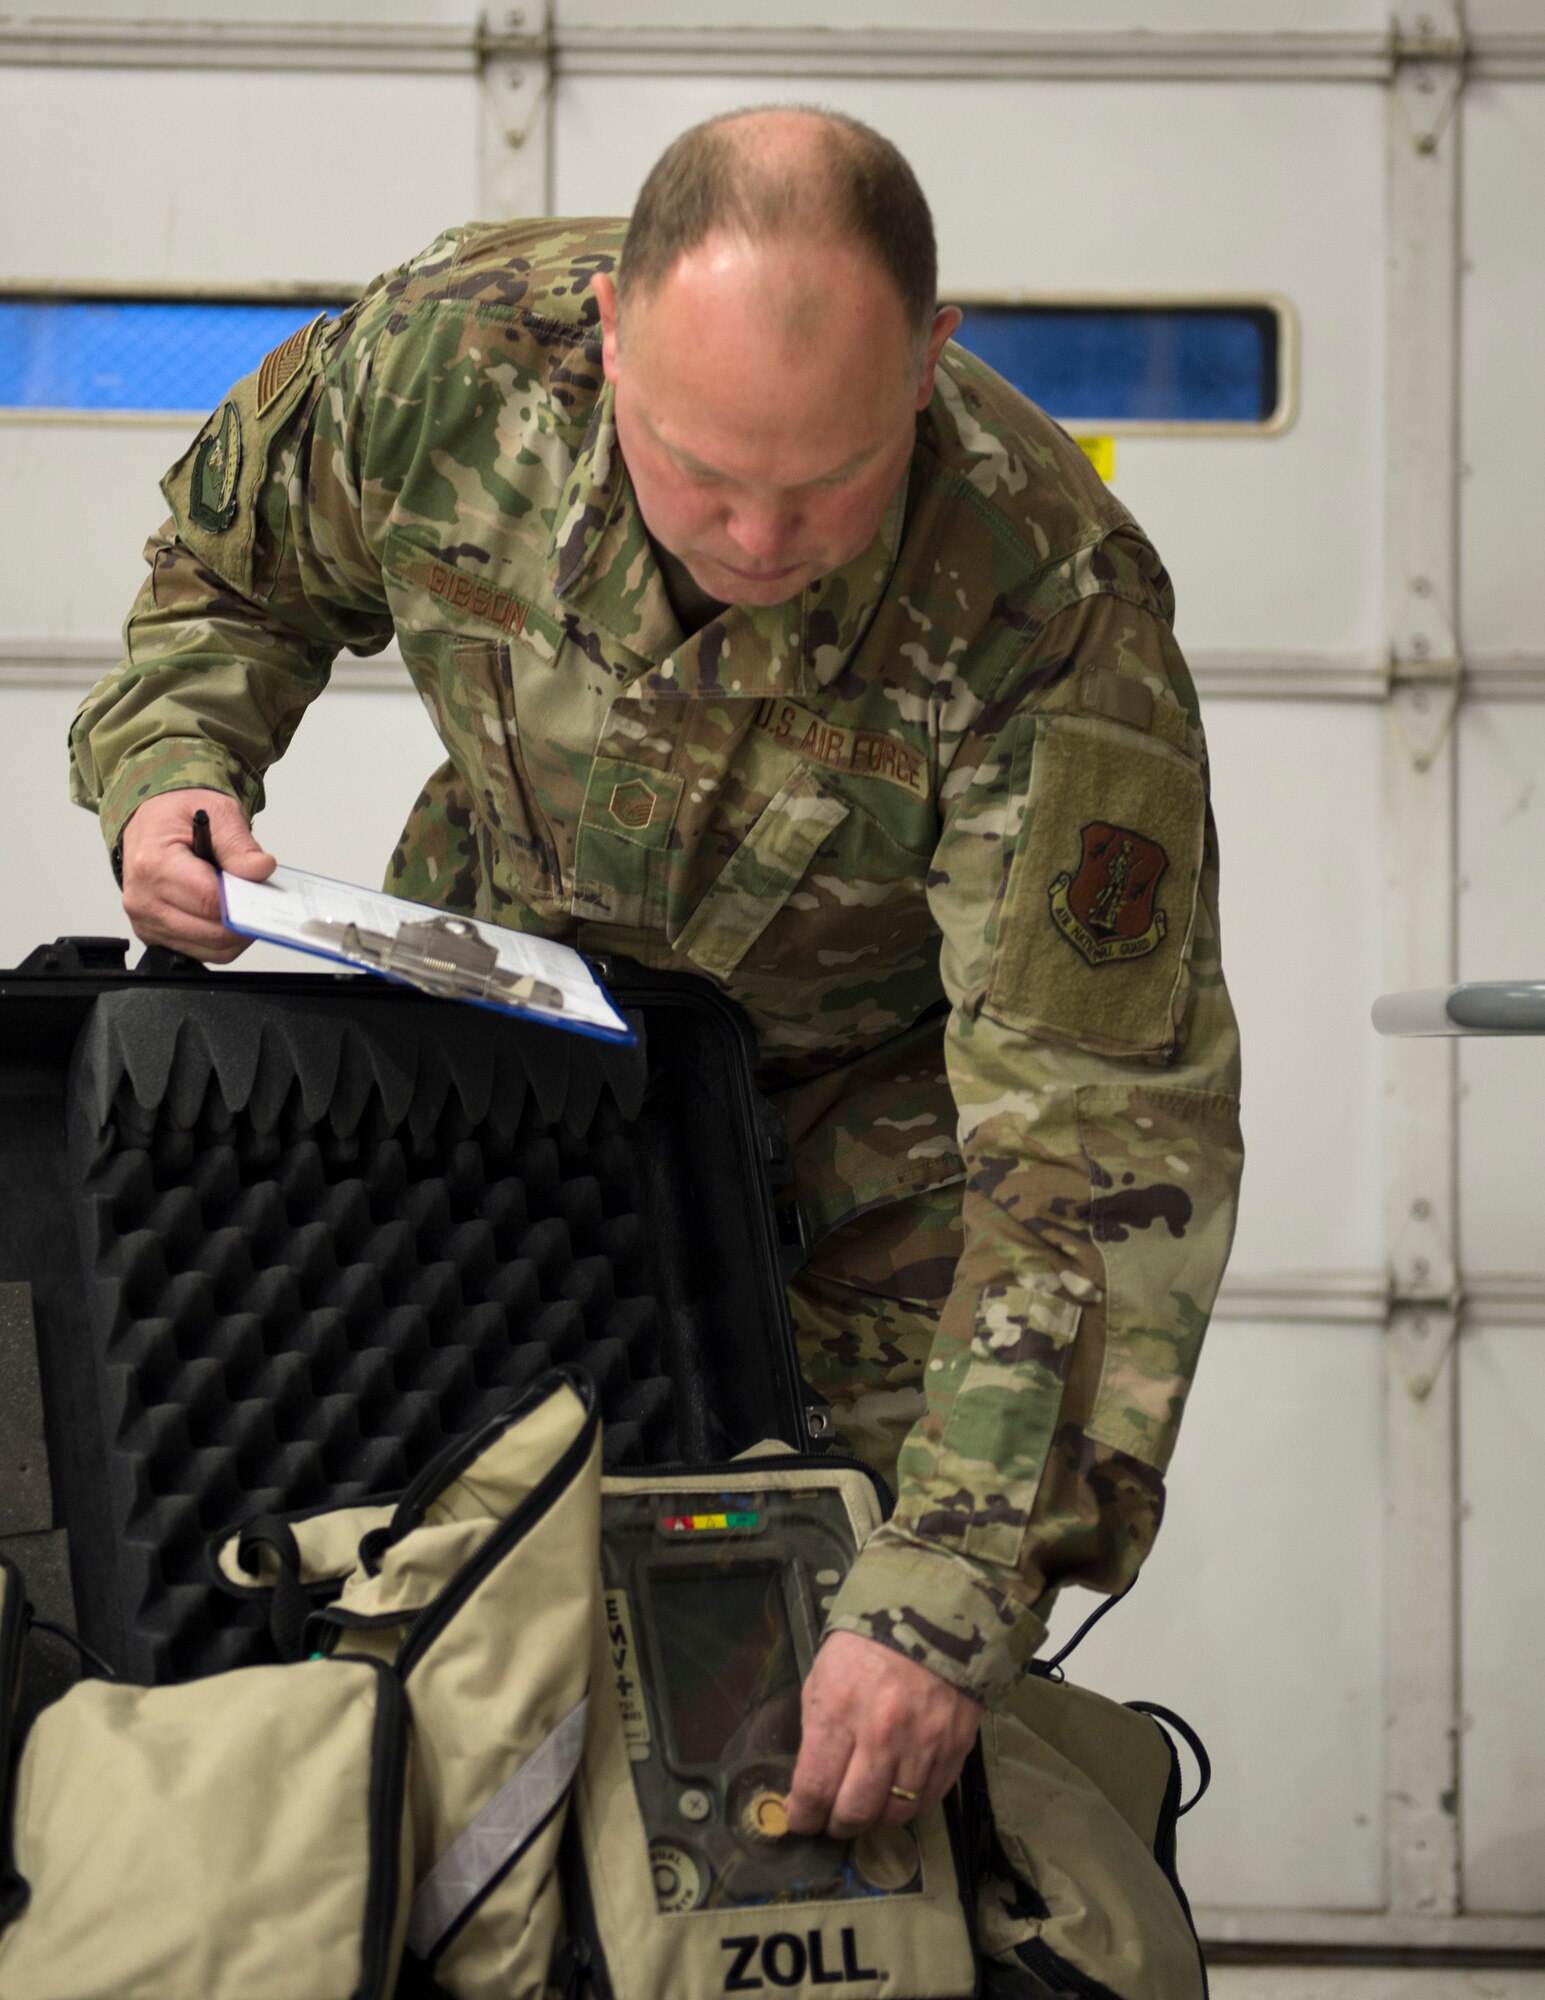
(308, 912)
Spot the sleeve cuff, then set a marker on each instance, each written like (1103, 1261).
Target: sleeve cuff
(177, 764)
(943, 1610)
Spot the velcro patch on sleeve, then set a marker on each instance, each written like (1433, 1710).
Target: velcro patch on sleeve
(209, 491)
(216, 472)
(1096, 924)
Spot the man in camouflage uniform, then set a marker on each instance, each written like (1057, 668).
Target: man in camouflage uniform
(772, 638)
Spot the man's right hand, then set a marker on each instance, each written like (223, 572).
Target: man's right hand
(170, 896)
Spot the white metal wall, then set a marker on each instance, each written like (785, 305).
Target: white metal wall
(1501, 932)
(1345, 1589)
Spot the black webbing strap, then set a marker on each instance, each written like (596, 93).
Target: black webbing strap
(1182, 1728)
(288, 1607)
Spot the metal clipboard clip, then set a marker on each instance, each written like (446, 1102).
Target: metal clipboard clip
(445, 957)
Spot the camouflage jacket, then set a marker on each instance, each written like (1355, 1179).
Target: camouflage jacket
(966, 766)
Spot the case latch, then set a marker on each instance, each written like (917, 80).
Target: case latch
(74, 955)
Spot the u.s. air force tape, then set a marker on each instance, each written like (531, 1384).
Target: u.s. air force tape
(865, 753)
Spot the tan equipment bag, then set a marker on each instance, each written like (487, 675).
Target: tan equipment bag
(1076, 1798)
(274, 1833)
(479, 1589)
(239, 1838)
(684, 1882)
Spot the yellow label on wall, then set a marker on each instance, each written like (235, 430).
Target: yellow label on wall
(1101, 454)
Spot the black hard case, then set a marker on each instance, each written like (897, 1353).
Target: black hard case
(284, 1234)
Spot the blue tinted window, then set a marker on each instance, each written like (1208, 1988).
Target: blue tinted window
(117, 354)
(1200, 364)
(1134, 364)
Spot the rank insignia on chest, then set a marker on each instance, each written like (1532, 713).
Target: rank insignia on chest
(633, 804)
(216, 470)
(1105, 908)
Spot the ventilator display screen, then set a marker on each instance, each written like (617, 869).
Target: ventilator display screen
(716, 1593)
(730, 1669)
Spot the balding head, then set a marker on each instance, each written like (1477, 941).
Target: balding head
(781, 338)
(785, 172)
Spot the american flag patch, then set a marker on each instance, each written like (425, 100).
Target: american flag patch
(280, 368)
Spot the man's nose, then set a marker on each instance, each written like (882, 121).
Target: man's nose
(763, 530)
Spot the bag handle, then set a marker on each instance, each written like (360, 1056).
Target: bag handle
(289, 1607)
(1052, 1669)
(1167, 1717)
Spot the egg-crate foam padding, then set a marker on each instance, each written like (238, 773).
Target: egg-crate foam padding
(318, 1241)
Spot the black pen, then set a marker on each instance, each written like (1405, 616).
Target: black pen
(203, 846)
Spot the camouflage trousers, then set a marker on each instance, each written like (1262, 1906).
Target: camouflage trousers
(866, 1310)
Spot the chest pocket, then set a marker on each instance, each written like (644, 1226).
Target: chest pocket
(760, 875)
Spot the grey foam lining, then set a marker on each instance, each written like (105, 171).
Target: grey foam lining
(258, 1051)
(316, 1245)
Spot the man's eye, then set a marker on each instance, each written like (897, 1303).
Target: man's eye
(836, 480)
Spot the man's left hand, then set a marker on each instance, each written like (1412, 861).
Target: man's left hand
(873, 1720)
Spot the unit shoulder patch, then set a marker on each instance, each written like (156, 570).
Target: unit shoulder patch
(216, 471)
(1106, 908)
(1090, 943)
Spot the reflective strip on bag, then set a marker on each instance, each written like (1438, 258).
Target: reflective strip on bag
(488, 1847)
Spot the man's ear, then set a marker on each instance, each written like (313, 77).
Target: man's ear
(605, 294)
(945, 321)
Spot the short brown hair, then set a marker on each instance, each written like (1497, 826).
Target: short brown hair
(861, 191)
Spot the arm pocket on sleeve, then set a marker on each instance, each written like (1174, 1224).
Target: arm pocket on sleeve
(1095, 929)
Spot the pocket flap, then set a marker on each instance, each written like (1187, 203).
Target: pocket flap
(761, 874)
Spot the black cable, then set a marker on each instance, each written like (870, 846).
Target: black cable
(1053, 1664)
(88, 1653)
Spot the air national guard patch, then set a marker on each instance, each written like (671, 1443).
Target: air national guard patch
(1082, 896)
(216, 470)
(1105, 909)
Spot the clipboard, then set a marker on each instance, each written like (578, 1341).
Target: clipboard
(451, 957)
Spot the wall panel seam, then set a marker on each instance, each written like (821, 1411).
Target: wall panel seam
(810, 51)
